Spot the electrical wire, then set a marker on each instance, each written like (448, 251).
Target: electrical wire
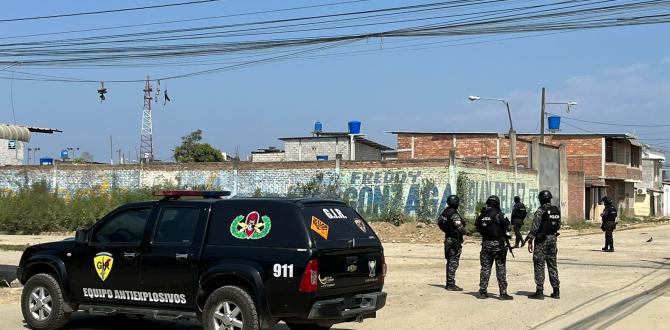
(615, 124)
(106, 11)
(460, 18)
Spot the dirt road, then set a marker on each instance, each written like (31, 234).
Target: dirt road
(626, 289)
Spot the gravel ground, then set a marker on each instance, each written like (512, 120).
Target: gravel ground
(626, 289)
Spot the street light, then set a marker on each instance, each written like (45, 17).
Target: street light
(34, 150)
(512, 135)
(570, 104)
(505, 102)
(73, 149)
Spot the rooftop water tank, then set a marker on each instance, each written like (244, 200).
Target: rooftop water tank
(554, 123)
(354, 127)
(318, 127)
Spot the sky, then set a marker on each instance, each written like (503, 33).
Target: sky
(617, 75)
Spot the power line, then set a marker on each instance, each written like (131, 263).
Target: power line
(555, 17)
(107, 28)
(615, 124)
(106, 11)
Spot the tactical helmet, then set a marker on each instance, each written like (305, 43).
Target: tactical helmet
(544, 196)
(453, 201)
(606, 200)
(517, 199)
(493, 201)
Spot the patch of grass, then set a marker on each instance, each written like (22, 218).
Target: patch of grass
(13, 247)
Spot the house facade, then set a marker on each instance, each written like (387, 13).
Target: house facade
(611, 163)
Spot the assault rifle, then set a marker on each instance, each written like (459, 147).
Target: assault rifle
(509, 246)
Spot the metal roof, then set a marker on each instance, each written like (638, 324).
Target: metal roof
(14, 132)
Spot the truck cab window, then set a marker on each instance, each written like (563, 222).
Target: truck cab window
(124, 227)
(177, 225)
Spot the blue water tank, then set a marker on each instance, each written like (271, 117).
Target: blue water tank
(318, 127)
(554, 122)
(354, 127)
(322, 157)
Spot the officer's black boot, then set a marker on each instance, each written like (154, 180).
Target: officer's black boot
(556, 294)
(539, 294)
(482, 294)
(505, 296)
(453, 287)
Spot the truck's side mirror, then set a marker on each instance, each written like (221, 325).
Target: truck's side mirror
(81, 236)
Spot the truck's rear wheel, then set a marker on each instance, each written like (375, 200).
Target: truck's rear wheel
(42, 303)
(230, 308)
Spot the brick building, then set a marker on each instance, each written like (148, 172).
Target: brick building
(610, 163)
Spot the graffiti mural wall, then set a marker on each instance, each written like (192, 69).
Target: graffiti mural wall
(370, 187)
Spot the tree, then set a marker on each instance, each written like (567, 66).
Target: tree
(191, 150)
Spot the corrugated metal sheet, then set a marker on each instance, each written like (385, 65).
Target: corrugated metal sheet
(13, 132)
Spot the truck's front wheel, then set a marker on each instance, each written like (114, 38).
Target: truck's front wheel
(230, 308)
(42, 303)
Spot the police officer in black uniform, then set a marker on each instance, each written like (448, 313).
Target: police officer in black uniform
(453, 226)
(518, 216)
(543, 232)
(609, 216)
(493, 227)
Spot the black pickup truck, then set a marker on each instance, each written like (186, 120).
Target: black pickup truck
(231, 263)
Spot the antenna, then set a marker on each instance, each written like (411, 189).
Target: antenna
(146, 134)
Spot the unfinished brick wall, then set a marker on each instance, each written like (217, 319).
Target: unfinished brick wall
(437, 146)
(576, 195)
(585, 153)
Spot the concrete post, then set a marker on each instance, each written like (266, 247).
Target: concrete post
(563, 179)
(512, 155)
(535, 155)
(452, 171)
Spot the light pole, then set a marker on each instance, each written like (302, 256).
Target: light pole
(512, 135)
(505, 102)
(35, 154)
(73, 149)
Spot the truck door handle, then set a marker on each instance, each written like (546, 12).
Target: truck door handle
(181, 256)
(130, 255)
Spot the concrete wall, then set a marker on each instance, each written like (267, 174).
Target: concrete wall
(307, 149)
(11, 156)
(268, 157)
(549, 176)
(366, 184)
(366, 152)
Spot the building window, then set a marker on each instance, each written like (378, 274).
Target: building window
(609, 150)
(635, 156)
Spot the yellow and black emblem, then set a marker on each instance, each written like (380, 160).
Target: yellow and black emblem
(103, 262)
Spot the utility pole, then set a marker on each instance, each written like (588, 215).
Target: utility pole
(111, 150)
(542, 117)
(146, 135)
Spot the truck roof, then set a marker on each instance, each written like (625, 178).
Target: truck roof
(299, 201)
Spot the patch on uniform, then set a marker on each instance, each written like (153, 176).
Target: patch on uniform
(320, 227)
(361, 225)
(103, 263)
(253, 226)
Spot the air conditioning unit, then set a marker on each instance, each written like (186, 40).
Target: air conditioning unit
(641, 191)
